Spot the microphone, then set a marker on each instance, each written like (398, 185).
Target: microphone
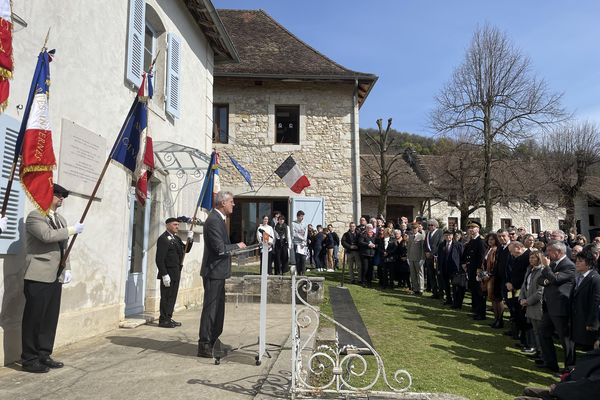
(263, 232)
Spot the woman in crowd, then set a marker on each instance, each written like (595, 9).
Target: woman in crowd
(493, 285)
(402, 268)
(367, 246)
(389, 259)
(530, 298)
(319, 249)
(378, 258)
(259, 238)
(283, 243)
(310, 240)
(328, 245)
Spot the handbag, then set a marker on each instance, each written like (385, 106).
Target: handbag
(460, 279)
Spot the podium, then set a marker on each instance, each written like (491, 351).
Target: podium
(219, 351)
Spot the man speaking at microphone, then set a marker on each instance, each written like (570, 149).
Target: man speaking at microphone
(216, 267)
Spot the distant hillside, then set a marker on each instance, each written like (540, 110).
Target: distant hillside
(421, 144)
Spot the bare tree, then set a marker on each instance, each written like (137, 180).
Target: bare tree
(569, 153)
(380, 167)
(494, 98)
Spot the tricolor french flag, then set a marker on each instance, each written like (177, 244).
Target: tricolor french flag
(145, 160)
(291, 174)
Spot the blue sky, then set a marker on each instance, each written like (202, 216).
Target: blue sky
(414, 46)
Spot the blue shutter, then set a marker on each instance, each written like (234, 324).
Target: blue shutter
(9, 239)
(173, 75)
(135, 41)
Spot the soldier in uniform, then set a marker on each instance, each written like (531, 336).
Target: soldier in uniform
(169, 260)
(472, 261)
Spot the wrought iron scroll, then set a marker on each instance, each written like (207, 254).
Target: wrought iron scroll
(328, 370)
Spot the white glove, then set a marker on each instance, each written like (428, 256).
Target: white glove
(78, 228)
(190, 234)
(68, 276)
(3, 223)
(166, 280)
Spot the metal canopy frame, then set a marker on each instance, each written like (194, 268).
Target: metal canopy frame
(189, 165)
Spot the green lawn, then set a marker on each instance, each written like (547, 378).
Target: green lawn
(443, 349)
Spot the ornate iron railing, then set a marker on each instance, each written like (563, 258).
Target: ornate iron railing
(329, 369)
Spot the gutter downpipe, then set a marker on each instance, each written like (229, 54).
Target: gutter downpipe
(355, 154)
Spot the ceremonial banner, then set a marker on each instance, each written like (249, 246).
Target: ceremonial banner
(6, 56)
(212, 184)
(34, 142)
(291, 174)
(145, 162)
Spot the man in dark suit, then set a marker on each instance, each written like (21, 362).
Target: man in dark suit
(169, 260)
(472, 260)
(448, 257)
(585, 302)
(557, 280)
(514, 282)
(430, 248)
(46, 237)
(216, 267)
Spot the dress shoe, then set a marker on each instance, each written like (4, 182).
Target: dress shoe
(479, 318)
(175, 323)
(205, 354)
(529, 350)
(166, 324)
(539, 362)
(35, 367)
(50, 363)
(455, 307)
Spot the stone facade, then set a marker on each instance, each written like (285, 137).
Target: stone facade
(325, 150)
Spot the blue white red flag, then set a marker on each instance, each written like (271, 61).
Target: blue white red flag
(34, 142)
(211, 185)
(133, 147)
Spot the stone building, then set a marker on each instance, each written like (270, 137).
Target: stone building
(285, 98)
(420, 179)
(98, 64)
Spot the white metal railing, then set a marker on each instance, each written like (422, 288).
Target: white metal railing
(327, 370)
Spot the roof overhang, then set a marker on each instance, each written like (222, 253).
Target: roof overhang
(208, 19)
(365, 81)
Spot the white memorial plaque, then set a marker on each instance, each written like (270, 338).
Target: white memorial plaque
(82, 157)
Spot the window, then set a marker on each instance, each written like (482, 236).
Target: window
(592, 220)
(452, 223)
(220, 123)
(536, 225)
(149, 46)
(505, 223)
(287, 124)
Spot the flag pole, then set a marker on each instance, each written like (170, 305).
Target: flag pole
(99, 181)
(194, 218)
(13, 168)
(96, 187)
(269, 177)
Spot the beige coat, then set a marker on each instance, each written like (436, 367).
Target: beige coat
(43, 252)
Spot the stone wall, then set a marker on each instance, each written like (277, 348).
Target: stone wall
(324, 153)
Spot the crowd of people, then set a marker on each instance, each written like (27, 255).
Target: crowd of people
(546, 284)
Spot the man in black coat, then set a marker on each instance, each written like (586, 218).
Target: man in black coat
(472, 260)
(585, 300)
(216, 267)
(169, 260)
(557, 280)
(448, 258)
(430, 248)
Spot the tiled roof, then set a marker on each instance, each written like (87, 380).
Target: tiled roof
(268, 50)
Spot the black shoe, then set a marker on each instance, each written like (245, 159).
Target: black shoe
(166, 324)
(507, 333)
(205, 350)
(35, 367)
(479, 318)
(50, 363)
(494, 325)
(175, 323)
